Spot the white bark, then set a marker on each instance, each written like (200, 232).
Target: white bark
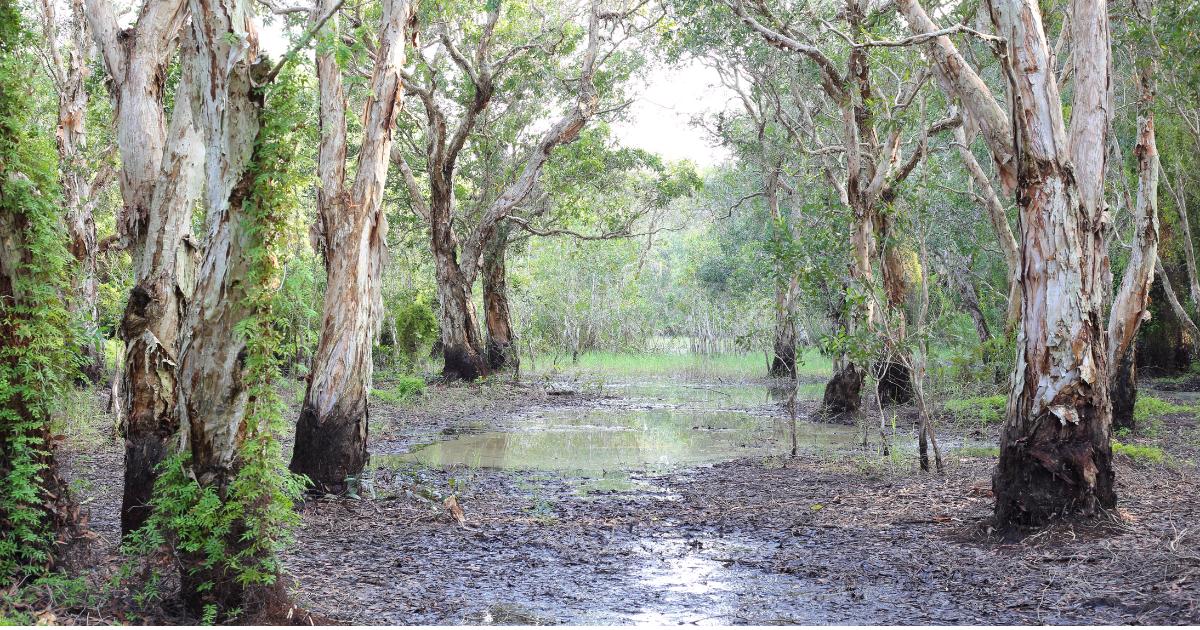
(332, 430)
(212, 394)
(1130, 307)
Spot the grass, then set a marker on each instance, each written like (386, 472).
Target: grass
(1147, 411)
(403, 388)
(82, 419)
(1143, 454)
(979, 451)
(730, 365)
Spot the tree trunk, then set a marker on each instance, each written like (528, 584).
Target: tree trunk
(783, 364)
(78, 193)
(960, 279)
(1055, 451)
(331, 434)
(35, 506)
(212, 374)
(1055, 455)
(159, 179)
(1130, 308)
(843, 392)
(1122, 388)
(462, 347)
(501, 352)
(895, 378)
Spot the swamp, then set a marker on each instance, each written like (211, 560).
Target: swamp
(599, 312)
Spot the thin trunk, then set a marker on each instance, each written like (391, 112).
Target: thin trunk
(1130, 308)
(331, 434)
(783, 364)
(159, 179)
(960, 279)
(501, 352)
(999, 219)
(1180, 199)
(1122, 386)
(895, 378)
(78, 192)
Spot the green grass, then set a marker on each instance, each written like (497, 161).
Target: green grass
(82, 419)
(1144, 454)
(980, 451)
(733, 365)
(1147, 412)
(988, 410)
(403, 388)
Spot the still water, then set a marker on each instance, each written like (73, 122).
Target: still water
(648, 427)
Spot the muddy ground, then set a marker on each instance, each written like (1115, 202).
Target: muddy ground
(754, 541)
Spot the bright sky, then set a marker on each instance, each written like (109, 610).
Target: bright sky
(660, 114)
(663, 109)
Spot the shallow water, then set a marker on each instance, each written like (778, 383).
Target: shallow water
(647, 427)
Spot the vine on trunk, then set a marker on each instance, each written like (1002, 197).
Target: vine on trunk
(37, 335)
(242, 531)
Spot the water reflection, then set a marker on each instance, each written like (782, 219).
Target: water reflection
(650, 427)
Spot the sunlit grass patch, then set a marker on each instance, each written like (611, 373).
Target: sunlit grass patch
(1139, 453)
(82, 418)
(684, 365)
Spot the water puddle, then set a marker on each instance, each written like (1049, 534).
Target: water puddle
(650, 427)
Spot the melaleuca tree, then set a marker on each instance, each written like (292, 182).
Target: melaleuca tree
(222, 502)
(37, 357)
(451, 111)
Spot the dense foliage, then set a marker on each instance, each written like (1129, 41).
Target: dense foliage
(37, 356)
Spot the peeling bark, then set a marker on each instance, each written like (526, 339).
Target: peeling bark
(1130, 308)
(1055, 452)
(331, 434)
(211, 391)
(159, 179)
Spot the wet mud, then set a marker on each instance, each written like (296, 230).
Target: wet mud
(740, 542)
(835, 535)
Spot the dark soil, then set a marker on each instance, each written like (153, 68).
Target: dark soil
(792, 540)
(746, 543)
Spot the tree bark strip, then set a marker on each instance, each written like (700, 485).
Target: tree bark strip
(331, 434)
(159, 179)
(212, 393)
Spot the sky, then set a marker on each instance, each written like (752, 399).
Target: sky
(659, 115)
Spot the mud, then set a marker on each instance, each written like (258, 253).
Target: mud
(836, 535)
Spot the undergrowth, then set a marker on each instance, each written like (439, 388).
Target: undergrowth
(37, 335)
(239, 530)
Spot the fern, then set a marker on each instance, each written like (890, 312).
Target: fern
(37, 359)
